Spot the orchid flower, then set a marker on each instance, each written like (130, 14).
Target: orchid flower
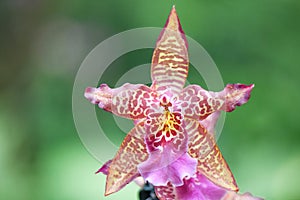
(172, 144)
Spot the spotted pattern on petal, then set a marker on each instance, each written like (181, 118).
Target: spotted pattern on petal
(164, 128)
(123, 168)
(210, 160)
(197, 103)
(165, 192)
(133, 101)
(170, 61)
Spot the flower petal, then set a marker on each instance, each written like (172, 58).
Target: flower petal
(101, 96)
(170, 61)
(210, 160)
(123, 167)
(159, 170)
(235, 95)
(104, 169)
(132, 101)
(199, 188)
(197, 103)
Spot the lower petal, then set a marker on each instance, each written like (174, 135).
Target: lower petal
(159, 171)
(199, 188)
(211, 163)
(123, 168)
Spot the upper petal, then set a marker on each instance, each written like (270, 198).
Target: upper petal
(123, 167)
(170, 61)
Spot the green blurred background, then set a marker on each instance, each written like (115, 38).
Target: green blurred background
(44, 42)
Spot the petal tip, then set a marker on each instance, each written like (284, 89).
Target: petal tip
(110, 188)
(237, 95)
(101, 96)
(173, 22)
(107, 193)
(89, 94)
(105, 168)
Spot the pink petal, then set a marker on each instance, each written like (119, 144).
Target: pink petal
(170, 61)
(101, 96)
(104, 168)
(159, 170)
(199, 188)
(235, 95)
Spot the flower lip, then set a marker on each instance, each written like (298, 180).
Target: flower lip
(158, 171)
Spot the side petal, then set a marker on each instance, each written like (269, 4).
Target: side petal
(123, 168)
(170, 61)
(235, 95)
(132, 101)
(210, 160)
(197, 103)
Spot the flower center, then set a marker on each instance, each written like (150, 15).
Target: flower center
(165, 103)
(168, 129)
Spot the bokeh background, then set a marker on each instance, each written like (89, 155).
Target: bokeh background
(43, 43)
